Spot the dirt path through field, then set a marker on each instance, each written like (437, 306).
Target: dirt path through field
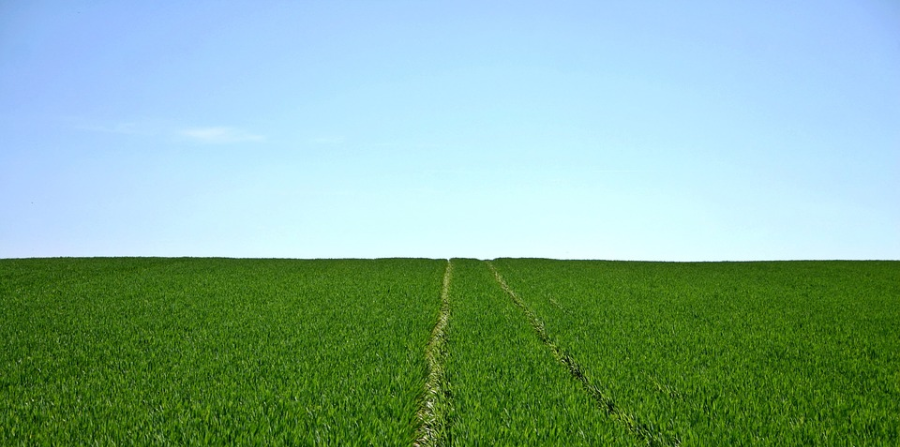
(617, 413)
(435, 406)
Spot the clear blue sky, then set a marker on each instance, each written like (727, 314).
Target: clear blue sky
(697, 130)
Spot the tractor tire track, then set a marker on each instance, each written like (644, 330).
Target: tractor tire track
(435, 406)
(641, 430)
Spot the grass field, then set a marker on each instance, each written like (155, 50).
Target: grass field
(154, 351)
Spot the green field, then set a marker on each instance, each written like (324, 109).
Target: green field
(182, 351)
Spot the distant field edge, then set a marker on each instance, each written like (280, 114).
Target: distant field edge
(438, 258)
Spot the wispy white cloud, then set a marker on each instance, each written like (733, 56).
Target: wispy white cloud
(327, 140)
(122, 128)
(220, 135)
(207, 135)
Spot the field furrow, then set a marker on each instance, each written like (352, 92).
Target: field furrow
(506, 387)
(603, 400)
(788, 353)
(436, 403)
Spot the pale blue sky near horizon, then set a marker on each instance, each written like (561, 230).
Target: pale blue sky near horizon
(646, 130)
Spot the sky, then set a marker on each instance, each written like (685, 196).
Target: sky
(639, 130)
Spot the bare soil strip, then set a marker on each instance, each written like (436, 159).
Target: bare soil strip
(435, 405)
(641, 430)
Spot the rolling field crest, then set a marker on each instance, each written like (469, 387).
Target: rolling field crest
(147, 351)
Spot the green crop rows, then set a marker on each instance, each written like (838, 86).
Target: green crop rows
(178, 352)
(780, 353)
(152, 351)
(507, 387)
